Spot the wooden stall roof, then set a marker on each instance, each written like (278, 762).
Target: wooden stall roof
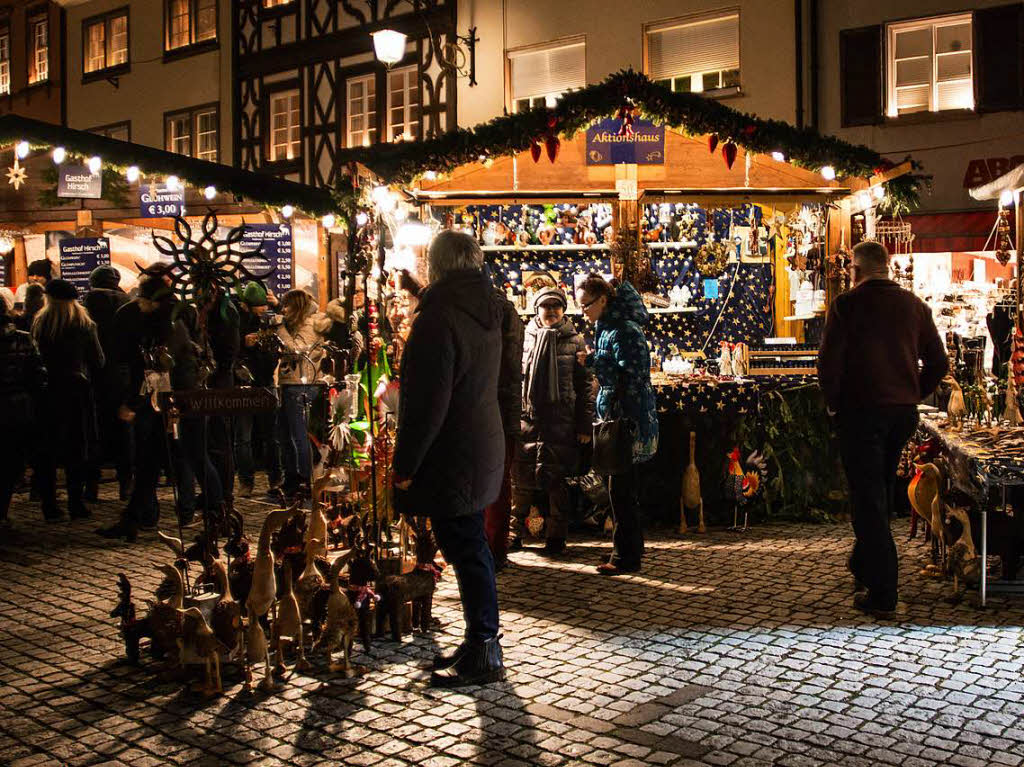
(688, 166)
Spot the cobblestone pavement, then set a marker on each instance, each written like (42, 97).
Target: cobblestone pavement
(726, 650)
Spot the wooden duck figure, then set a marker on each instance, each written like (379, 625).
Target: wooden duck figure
(956, 410)
(263, 588)
(317, 528)
(226, 616)
(257, 651)
(964, 562)
(1011, 410)
(691, 498)
(164, 617)
(923, 491)
(198, 643)
(288, 624)
(310, 581)
(342, 621)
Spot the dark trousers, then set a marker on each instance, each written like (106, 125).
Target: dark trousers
(556, 525)
(293, 430)
(462, 541)
(150, 460)
(219, 445)
(15, 451)
(870, 443)
(193, 465)
(115, 441)
(628, 536)
(263, 426)
(498, 515)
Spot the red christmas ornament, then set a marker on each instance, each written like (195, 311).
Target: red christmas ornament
(552, 144)
(712, 143)
(535, 151)
(729, 154)
(750, 130)
(552, 121)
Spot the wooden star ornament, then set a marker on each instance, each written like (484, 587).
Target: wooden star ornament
(16, 175)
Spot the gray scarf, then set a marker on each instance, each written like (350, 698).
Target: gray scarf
(542, 370)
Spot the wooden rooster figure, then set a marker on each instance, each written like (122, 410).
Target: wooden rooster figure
(744, 481)
(691, 497)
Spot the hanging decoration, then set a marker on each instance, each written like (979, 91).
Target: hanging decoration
(16, 175)
(729, 154)
(712, 143)
(1003, 243)
(712, 258)
(627, 114)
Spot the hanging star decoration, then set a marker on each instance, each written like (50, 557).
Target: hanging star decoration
(16, 175)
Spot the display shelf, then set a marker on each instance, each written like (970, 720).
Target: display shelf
(650, 310)
(802, 317)
(671, 245)
(541, 248)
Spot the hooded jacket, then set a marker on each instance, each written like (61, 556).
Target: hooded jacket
(102, 304)
(450, 441)
(549, 449)
(622, 364)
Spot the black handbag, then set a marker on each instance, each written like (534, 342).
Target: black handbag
(613, 443)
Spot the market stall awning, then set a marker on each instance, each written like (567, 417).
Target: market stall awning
(257, 187)
(951, 232)
(1008, 182)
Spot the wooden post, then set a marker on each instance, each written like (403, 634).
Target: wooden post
(1019, 242)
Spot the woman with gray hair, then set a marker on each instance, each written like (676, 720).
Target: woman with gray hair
(450, 448)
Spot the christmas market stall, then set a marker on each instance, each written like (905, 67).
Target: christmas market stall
(735, 229)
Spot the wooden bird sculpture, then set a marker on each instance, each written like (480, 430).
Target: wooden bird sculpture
(1011, 410)
(691, 498)
(956, 410)
(317, 528)
(288, 624)
(226, 615)
(257, 651)
(164, 617)
(342, 621)
(198, 644)
(923, 491)
(964, 562)
(310, 581)
(263, 588)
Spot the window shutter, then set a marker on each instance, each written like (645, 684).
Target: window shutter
(860, 74)
(702, 46)
(999, 57)
(552, 70)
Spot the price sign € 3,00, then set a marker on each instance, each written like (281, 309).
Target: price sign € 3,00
(157, 201)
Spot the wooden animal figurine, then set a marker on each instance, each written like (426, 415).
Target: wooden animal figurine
(691, 498)
(724, 359)
(161, 624)
(257, 651)
(940, 536)
(288, 624)
(743, 483)
(164, 619)
(923, 491)
(226, 615)
(263, 588)
(310, 581)
(964, 562)
(416, 587)
(240, 550)
(1011, 410)
(985, 407)
(198, 644)
(342, 622)
(956, 410)
(362, 572)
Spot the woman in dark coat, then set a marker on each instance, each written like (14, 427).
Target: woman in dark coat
(558, 413)
(450, 448)
(622, 364)
(71, 351)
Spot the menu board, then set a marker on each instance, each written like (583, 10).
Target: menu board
(277, 254)
(79, 256)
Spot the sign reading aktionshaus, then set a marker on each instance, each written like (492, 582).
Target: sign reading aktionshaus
(644, 146)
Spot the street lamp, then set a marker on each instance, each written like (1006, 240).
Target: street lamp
(389, 46)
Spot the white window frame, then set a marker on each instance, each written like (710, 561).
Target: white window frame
(39, 49)
(410, 112)
(106, 61)
(290, 149)
(192, 35)
(934, 23)
(723, 88)
(187, 142)
(199, 153)
(548, 98)
(5, 58)
(368, 104)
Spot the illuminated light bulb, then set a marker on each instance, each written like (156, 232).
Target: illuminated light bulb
(59, 155)
(132, 174)
(379, 193)
(287, 211)
(328, 221)
(430, 175)
(828, 173)
(94, 165)
(413, 233)
(172, 183)
(375, 272)
(778, 156)
(1006, 199)
(879, 192)
(864, 199)
(22, 150)
(361, 219)
(210, 192)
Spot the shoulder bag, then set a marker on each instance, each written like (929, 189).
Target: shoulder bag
(613, 441)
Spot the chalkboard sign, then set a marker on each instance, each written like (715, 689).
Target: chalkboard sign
(78, 182)
(277, 254)
(79, 256)
(157, 201)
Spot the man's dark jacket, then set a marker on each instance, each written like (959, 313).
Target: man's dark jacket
(874, 337)
(22, 378)
(510, 376)
(450, 440)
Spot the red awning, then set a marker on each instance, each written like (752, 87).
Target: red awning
(951, 232)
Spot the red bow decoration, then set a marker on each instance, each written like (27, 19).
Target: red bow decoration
(431, 568)
(628, 116)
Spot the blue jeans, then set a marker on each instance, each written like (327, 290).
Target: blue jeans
(293, 431)
(463, 543)
(263, 425)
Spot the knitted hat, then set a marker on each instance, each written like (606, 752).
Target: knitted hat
(153, 288)
(41, 268)
(104, 277)
(253, 294)
(546, 295)
(62, 290)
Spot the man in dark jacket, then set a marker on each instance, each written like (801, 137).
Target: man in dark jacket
(102, 301)
(879, 357)
(450, 448)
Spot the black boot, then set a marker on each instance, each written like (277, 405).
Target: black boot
(125, 528)
(443, 661)
(481, 663)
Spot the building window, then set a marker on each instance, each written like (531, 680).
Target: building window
(5, 59)
(285, 126)
(361, 95)
(38, 49)
(695, 56)
(540, 76)
(403, 105)
(190, 22)
(194, 133)
(119, 131)
(930, 65)
(106, 41)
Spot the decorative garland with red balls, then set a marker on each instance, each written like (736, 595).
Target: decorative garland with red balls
(625, 95)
